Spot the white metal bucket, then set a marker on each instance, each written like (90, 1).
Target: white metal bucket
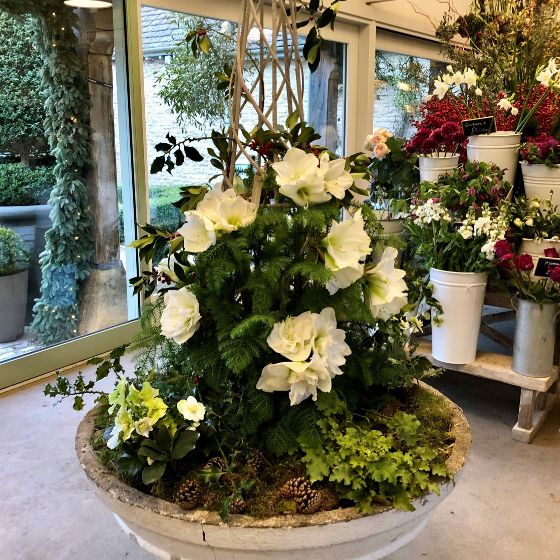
(461, 295)
(542, 181)
(434, 166)
(500, 148)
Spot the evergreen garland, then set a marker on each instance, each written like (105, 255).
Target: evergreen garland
(68, 248)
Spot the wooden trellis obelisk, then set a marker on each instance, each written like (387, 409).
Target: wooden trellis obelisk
(278, 50)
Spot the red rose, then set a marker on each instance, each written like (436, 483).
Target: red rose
(551, 253)
(524, 263)
(502, 248)
(555, 273)
(505, 261)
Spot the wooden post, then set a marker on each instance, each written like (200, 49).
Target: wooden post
(104, 301)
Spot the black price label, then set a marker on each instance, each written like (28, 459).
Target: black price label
(544, 266)
(472, 127)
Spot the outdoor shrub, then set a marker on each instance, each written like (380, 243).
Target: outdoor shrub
(13, 252)
(23, 186)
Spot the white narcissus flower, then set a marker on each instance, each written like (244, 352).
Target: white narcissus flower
(301, 379)
(545, 76)
(478, 91)
(198, 233)
(181, 316)
(440, 89)
(300, 178)
(347, 243)
(294, 337)
(458, 78)
(191, 409)
(337, 179)
(330, 342)
(387, 290)
(504, 104)
(514, 111)
(381, 150)
(470, 77)
(447, 79)
(344, 277)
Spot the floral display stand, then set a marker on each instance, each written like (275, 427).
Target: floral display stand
(538, 394)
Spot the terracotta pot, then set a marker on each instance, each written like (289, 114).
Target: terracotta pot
(167, 531)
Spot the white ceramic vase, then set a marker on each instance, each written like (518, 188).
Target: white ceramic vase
(500, 148)
(461, 296)
(434, 166)
(541, 181)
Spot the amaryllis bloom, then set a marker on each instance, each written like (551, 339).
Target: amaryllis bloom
(301, 379)
(337, 179)
(198, 232)
(524, 263)
(330, 342)
(300, 178)
(551, 253)
(387, 290)
(181, 316)
(555, 273)
(294, 337)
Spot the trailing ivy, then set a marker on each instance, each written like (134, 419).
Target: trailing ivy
(68, 247)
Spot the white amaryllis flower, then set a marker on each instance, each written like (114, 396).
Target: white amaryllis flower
(505, 104)
(347, 243)
(301, 379)
(300, 178)
(226, 210)
(386, 291)
(337, 179)
(344, 277)
(440, 89)
(294, 337)
(191, 409)
(330, 342)
(167, 266)
(361, 190)
(181, 316)
(198, 233)
(470, 77)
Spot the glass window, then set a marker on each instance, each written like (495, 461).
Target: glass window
(402, 82)
(62, 194)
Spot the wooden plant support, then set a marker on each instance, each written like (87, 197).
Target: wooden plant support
(538, 394)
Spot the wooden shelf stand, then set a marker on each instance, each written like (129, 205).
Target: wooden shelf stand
(538, 394)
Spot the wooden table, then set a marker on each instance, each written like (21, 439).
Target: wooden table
(538, 394)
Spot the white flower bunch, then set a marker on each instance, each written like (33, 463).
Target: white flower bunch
(307, 179)
(549, 75)
(468, 78)
(218, 212)
(431, 211)
(506, 105)
(346, 247)
(316, 349)
(377, 143)
(488, 226)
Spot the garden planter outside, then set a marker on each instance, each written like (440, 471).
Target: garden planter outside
(13, 302)
(534, 341)
(461, 295)
(541, 181)
(500, 148)
(168, 531)
(434, 166)
(31, 222)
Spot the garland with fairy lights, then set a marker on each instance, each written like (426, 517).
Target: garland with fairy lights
(68, 244)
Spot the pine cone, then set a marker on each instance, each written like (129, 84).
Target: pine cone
(299, 490)
(237, 506)
(189, 493)
(329, 499)
(256, 461)
(216, 463)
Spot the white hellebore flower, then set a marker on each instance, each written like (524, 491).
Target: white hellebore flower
(300, 179)
(143, 426)
(387, 291)
(504, 104)
(301, 379)
(329, 341)
(294, 337)
(191, 409)
(181, 316)
(337, 179)
(198, 233)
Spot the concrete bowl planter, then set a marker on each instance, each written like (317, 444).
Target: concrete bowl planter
(13, 302)
(169, 532)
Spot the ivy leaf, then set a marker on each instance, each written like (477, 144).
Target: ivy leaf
(153, 473)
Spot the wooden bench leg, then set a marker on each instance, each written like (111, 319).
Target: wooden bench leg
(526, 409)
(533, 410)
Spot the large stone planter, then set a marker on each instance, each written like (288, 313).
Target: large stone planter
(31, 222)
(167, 531)
(13, 301)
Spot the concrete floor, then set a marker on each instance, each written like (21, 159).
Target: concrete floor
(505, 507)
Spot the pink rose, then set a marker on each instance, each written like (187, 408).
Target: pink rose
(380, 150)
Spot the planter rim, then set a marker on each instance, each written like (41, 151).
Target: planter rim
(23, 271)
(106, 481)
(498, 133)
(540, 165)
(447, 155)
(452, 272)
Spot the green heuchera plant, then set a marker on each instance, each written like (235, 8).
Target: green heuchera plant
(267, 304)
(13, 252)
